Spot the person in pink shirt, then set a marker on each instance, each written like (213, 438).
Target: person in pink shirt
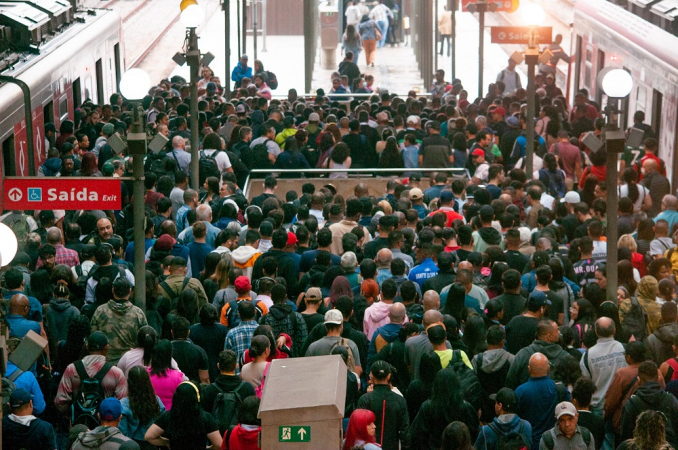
(164, 379)
(377, 314)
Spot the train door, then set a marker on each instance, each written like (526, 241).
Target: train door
(600, 65)
(656, 112)
(8, 156)
(118, 75)
(100, 82)
(578, 63)
(48, 112)
(77, 93)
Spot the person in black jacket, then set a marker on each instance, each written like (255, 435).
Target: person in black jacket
(390, 409)
(23, 430)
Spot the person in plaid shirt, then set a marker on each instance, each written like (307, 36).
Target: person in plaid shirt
(239, 338)
(63, 256)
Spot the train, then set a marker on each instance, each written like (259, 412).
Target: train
(71, 60)
(618, 34)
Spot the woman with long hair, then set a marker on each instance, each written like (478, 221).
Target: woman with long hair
(475, 335)
(645, 235)
(88, 167)
(421, 387)
(352, 42)
(454, 305)
(253, 372)
(147, 338)
(211, 187)
(187, 427)
(391, 157)
(445, 406)
(587, 188)
(140, 408)
(625, 276)
(361, 429)
(456, 437)
(340, 287)
(648, 291)
(627, 242)
(340, 159)
(582, 318)
(325, 146)
(290, 158)
(552, 177)
(494, 284)
(187, 307)
(637, 193)
(164, 378)
(211, 262)
(157, 306)
(649, 433)
(215, 286)
(210, 335)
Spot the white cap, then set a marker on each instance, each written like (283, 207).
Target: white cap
(571, 197)
(565, 408)
(334, 316)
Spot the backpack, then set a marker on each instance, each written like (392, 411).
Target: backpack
(9, 386)
(351, 359)
(555, 187)
(208, 167)
(635, 320)
(155, 162)
(259, 390)
(511, 440)
(549, 441)
(272, 80)
(172, 295)
(18, 222)
(470, 385)
(234, 317)
(226, 406)
(672, 372)
(518, 152)
(259, 157)
(90, 395)
(515, 74)
(491, 382)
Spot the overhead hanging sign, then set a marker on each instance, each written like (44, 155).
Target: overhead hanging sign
(38, 193)
(520, 35)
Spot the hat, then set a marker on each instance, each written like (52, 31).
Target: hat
(240, 109)
(242, 283)
(107, 169)
(87, 250)
(291, 238)
(97, 341)
(110, 409)
(46, 214)
(538, 298)
(565, 408)
(334, 316)
(314, 294)
(108, 129)
(19, 397)
(446, 197)
(507, 397)
(512, 122)
(571, 197)
(415, 177)
(380, 370)
(416, 194)
(478, 152)
(500, 111)
(314, 117)
(244, 57)
(211, 87)
(165, 243)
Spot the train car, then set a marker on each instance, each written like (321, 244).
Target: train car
(607, 34)
(82, 60)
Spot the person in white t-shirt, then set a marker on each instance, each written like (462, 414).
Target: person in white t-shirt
(212, 144)
(482, 168)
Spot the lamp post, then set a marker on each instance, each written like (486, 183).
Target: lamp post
(452, 7)
(192, 16)
(254, 26)
(8, 245)
(481, 7)
(226, 6)
(535, 13)
(134, 86)
(616, 83)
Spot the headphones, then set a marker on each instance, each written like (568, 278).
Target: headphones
(197, 391)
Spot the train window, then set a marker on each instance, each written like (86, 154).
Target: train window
(77, 93)
(116, 54)
(100, 82)
(588, 68)
(657, 98)
(600, 64)
(577, 71)
(641, 97)
(48, 112)
(8, 158)
(63, 108)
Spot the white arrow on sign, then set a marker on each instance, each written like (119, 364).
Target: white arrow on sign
(15, 194)
(501, 35)
(301, 432)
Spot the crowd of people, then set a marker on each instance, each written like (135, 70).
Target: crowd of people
(469, 306)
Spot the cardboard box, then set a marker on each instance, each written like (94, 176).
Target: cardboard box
(28, 351)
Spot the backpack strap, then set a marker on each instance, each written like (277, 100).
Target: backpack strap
(80, 369)
(548, 439)
(560, 392)
(102, 372)
(585, 434)
(16, 374)
(456, 357)
(78, 270)
(628, 388)
(479, 362)
(586, 362)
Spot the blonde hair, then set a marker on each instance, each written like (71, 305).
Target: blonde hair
(386, 206)
(220, 274)
(627, 241)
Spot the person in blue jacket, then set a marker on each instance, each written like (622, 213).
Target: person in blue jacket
(242, 70)
(26, 380)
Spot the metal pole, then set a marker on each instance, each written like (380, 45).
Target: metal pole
(435, 35)
(308, 44)
(453, 39)
(264, 24)
(226, 5)
(612, 206)
(481, 44)
(529, 132)
(137, 147)
(30, 149)
(237, 9)
(244, 26)
(193, 58)
(254, 26)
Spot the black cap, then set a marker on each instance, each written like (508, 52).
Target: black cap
(97, 341)
(507, 398)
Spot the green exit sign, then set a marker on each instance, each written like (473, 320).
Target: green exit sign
(294, 434)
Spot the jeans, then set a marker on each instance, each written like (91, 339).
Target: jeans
(443, 38)
(383, 28)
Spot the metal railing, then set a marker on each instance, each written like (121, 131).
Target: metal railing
(456, 173)
(348, 95)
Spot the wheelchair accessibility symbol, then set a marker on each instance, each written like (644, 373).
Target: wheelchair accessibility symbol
(34, 194)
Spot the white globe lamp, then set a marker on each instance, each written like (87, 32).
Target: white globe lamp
(8, 245)
(616, 82)
(533, 14)
(192, 15)
(135, 84)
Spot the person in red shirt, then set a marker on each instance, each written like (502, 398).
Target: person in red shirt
(245, 435)
(651, 149)
(447, 207)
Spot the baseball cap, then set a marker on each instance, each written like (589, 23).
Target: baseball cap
(334, 316)
(512, 122)
(211, 87)
(165, 243)
(110, 409)
(46, 214)
(107, 169)
(242, 283)
(314, 294)
(416, 194)
(478, 152)
(538, 298)
(565, 408)
(19, 397)
(446, 196)
(97, 341)
(108, 129)
(240, 109)
(314, 117)
(291, 238)
(500, 111)
(571, 197)
(507, 397)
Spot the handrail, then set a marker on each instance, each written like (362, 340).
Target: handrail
(375, 171)
(347, 95)
(28, 118)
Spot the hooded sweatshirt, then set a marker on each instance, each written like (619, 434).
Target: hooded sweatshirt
(493, 360)
(244, 258)
(121, 322)
(650, 396)
(100, 438)
(57, 317)
(505, 424)
(243, 437)
(382, 337)
(376, 316)
(27, 432)
(485, 237)
(50, 168)
(518, 373)
(660, 343)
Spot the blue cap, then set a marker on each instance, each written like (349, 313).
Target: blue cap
(538, 298)
(446, 196)
(19, 397)
(110, 409)
(211, 87)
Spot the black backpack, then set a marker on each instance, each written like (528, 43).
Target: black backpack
(86, 402)
(155, 162)
(234, 317)
(491, 382)
(9, 386)
(226, 407)
(208, 167)
(470, 385)
(511, 440)
(171, 294)
(272, 80)
(635, 320)
(259, 157)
